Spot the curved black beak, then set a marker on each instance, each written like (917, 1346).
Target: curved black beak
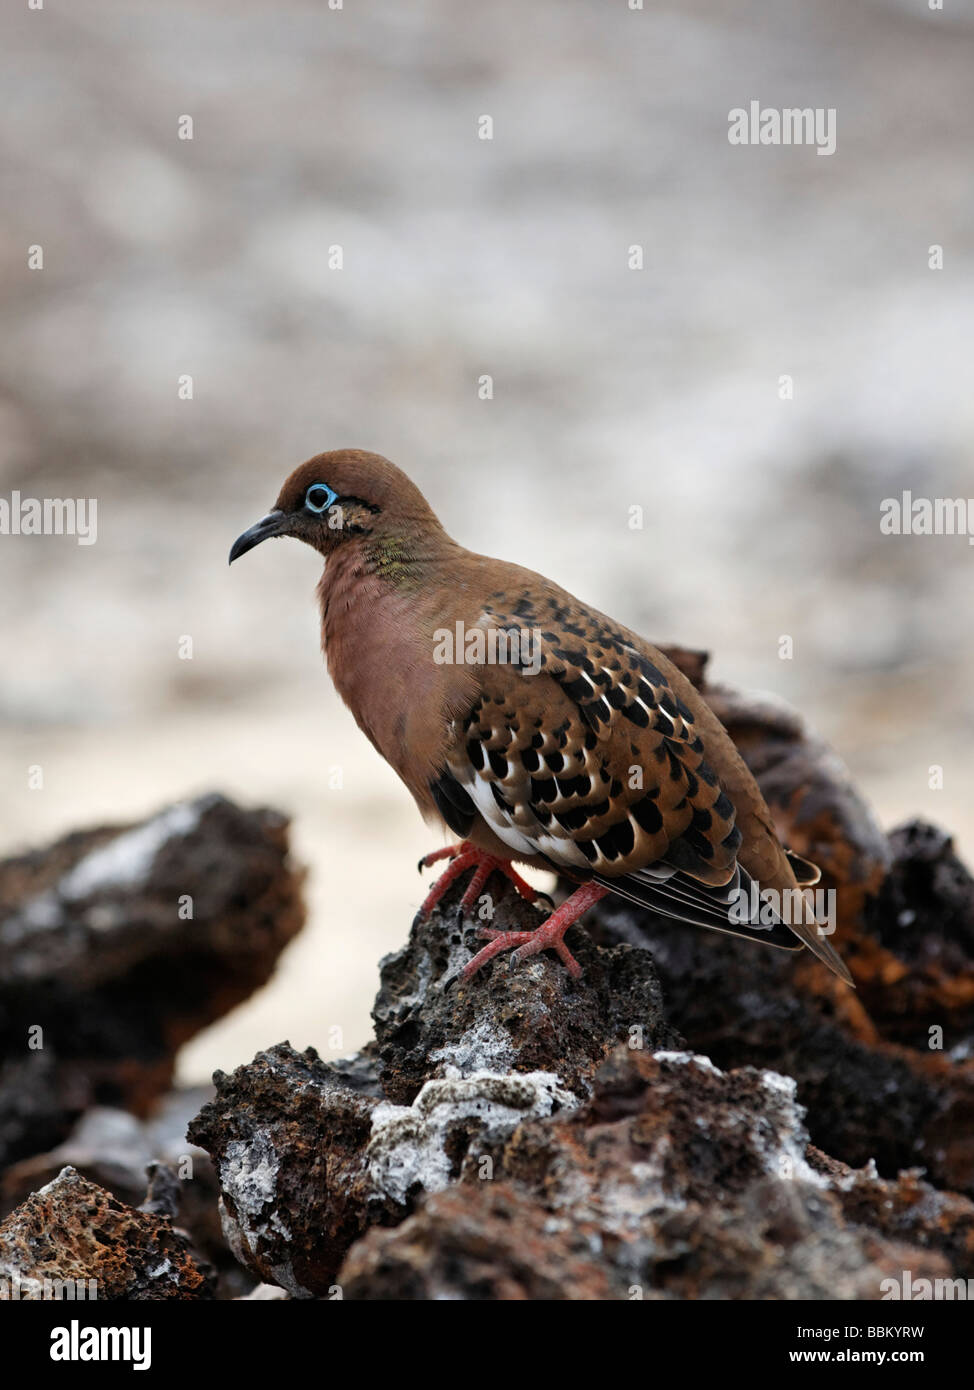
(273, 524)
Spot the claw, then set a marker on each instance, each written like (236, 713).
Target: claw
(447, 852)
(465, 856)
(549, 935)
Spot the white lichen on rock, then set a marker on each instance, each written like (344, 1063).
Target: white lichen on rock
(127, 861)
(688, 1058)
(248, 1176)
(780, 1139)
(409, 1150)
(778, 1135)
(483, 1048)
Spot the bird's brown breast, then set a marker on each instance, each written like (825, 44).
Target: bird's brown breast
(379, 642)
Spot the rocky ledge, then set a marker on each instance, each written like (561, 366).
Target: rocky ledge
(529, 1135)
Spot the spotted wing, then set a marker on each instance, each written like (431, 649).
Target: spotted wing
(583, 753)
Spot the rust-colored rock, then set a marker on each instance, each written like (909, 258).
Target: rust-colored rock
(474, 1243)
(115, 1149)
(72, 1230)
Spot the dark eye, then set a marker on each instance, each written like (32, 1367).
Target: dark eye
(319, 497)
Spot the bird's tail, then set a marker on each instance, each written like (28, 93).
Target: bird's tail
(675, 894)
(813, 935)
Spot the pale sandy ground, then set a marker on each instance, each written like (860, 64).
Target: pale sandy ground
(462, 257)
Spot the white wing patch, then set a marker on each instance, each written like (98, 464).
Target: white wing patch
(560, 850)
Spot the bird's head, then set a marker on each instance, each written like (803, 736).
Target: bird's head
(345, 496)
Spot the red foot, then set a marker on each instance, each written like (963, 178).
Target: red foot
(549, 934)
(466, 856)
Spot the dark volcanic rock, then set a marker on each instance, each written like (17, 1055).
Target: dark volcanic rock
(908, 1210)
(119, 944)
(533, 1136)
(113, 1148)
(743, 1005)
(311, 1154)
(288, 1137)
(869, 1094)
(915, 961)
(40, 1096)
(73, 1230)
(642, 1132)
(428, 1024)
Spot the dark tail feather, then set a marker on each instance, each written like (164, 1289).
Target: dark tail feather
(806, 873)
(687, 900)
(810, 933)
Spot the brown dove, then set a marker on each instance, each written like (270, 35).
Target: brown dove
(538, 729)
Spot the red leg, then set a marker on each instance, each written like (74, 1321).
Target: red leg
(549, 934)
(466, 856)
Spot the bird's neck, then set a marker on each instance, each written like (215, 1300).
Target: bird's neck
(379, 610)
(351, 586)
(365, 570)
(377, 595)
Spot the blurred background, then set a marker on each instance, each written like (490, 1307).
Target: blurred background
(463, 257)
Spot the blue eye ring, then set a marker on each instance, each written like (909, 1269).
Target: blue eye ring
(313, 498)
